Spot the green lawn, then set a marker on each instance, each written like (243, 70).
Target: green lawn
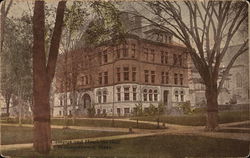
(93, 123)
(105, 123)
(147, 147)
(198, 119)
(19, 135)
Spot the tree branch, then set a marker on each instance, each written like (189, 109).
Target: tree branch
(55, 40)
(242, 49)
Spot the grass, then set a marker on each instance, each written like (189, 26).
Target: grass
(92, 123)
(148, 147)
(19, 135)
(105, 123)
(198, 119)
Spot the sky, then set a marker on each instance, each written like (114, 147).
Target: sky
(26, 5)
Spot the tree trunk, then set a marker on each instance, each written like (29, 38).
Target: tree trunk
(8, 106)
(212, 108)
(43, 74)
(42, 130)
(41, 84)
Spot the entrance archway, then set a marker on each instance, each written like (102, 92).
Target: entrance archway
(86, 101)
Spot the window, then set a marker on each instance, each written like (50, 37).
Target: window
(104, 111)
(118, 54)
(71, 101)
(126, 73)
(176, 96)
(100, 78)
(106, 77)
(162, 57)
(126, 93)
(175, 59)
(145, 95)
(175, 78)
(98, 111)
(167, 78)
(87, 80)
(150, 95)
(105, 57)
(146, 75)
(153, 76)
(125, 50)
(134, 93)
(118, 93)
(118, 73)
(152, 55)
(99, 57)
(61, 101)
(104, 96)
(146, 53)
(126, 110)
(60, 113)
(181, 79)
(164, 77)
(180, 60)
(99, 96)
(166, 57)
(155, 95)
(118, 111)
(133, 51)
(133, 73)
(182, 96)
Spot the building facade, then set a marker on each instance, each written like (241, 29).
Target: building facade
(235, 89)
(112, 79)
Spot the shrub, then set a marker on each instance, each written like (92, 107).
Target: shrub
(185, 107)
(152, 110)
(91, 111)
(138, 110)
(200, 110)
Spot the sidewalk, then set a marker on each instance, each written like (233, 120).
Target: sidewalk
(171, 130)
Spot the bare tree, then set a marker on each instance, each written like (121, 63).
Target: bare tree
(4, 12)
(207, 29)
(43, 73)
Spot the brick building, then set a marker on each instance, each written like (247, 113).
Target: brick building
(147, 68)
(113, 79)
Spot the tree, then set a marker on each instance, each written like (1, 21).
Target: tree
(4, 12)
(75, 24)
(83, 31)
(43, 73)
(16, 79)
(207, 29)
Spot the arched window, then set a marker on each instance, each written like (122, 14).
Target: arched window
(145, 94)
(150, 95)
(182, 96)
(104, 95)
(176, 96)
(155, 95)
(238, 80)
(99, 96)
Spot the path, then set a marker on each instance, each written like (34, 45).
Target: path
(171, 130)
